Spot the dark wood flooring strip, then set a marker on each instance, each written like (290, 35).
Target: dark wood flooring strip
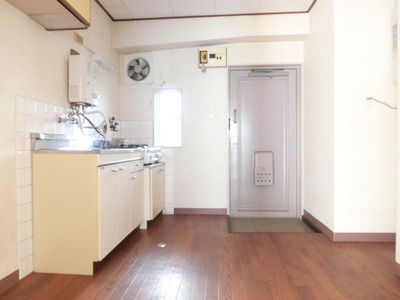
(202, 260)
(9, 281)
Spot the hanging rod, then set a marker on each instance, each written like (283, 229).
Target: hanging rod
(381, 102)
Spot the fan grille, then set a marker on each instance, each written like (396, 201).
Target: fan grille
(138, 69)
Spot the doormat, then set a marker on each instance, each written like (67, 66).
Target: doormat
(267, 225)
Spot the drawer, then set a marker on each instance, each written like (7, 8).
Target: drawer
(115, 158)
(136, 166)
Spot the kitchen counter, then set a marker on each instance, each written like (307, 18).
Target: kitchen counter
(73, 150)
(59, 143)
(151, 166)
(85, 202)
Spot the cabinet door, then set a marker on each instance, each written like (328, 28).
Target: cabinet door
(158, 190)
(108, 213)
(81, 8)
(124, 196)
(137, 204)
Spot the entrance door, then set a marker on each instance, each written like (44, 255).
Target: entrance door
(263, 122)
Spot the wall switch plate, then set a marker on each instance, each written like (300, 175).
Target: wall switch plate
(212, 57)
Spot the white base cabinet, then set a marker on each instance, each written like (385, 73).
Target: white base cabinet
(154, 192)
(121, 201)
(83, 207)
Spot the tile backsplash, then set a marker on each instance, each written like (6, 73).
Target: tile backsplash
(41, 117)
(137, 132)
(31, 116)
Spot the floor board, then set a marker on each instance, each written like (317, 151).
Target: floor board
(203, 261)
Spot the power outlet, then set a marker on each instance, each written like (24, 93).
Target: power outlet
(263, 176)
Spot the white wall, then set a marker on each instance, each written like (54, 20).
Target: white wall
(365, 139)
(349, 153)
(29, 56)
(98, 39)
(34, 78)
(397, 71)
(142, 36)
(318, 115)
(198, 174)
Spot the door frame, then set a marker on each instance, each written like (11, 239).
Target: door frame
(299, 130)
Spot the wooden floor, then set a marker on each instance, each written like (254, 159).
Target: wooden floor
(203, 261)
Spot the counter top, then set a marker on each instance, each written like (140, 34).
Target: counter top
(159, 164)
(89, 150)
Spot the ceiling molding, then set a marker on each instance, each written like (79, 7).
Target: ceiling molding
(204, 16)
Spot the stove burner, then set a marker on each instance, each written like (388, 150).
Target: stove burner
(134, 145)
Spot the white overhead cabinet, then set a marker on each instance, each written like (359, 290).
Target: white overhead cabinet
(56, 15)
(84, 205)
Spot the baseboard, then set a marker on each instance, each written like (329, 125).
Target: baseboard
(308, 218)
(9, 281)
(349, 236)
(200, 211)
(365, 237)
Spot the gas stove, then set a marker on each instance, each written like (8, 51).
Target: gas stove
(133, 146)
(152, 155)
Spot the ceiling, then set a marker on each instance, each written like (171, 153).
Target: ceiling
(160, 9)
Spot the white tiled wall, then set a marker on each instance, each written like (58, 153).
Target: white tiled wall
(137, 132)
(31, 116)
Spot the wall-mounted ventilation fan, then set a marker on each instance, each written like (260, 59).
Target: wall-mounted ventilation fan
(137, 69)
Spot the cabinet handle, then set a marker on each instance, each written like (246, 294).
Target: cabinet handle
(134, 177)
(160, 171)
(138, 165)
(121, 168)
(114, 170)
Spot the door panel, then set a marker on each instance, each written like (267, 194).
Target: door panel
(124, 200)
(264, 123)
(137, 194)
(108, 213)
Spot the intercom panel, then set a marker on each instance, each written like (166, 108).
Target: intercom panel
(212, 57)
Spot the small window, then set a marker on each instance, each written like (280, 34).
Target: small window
(168, 117)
